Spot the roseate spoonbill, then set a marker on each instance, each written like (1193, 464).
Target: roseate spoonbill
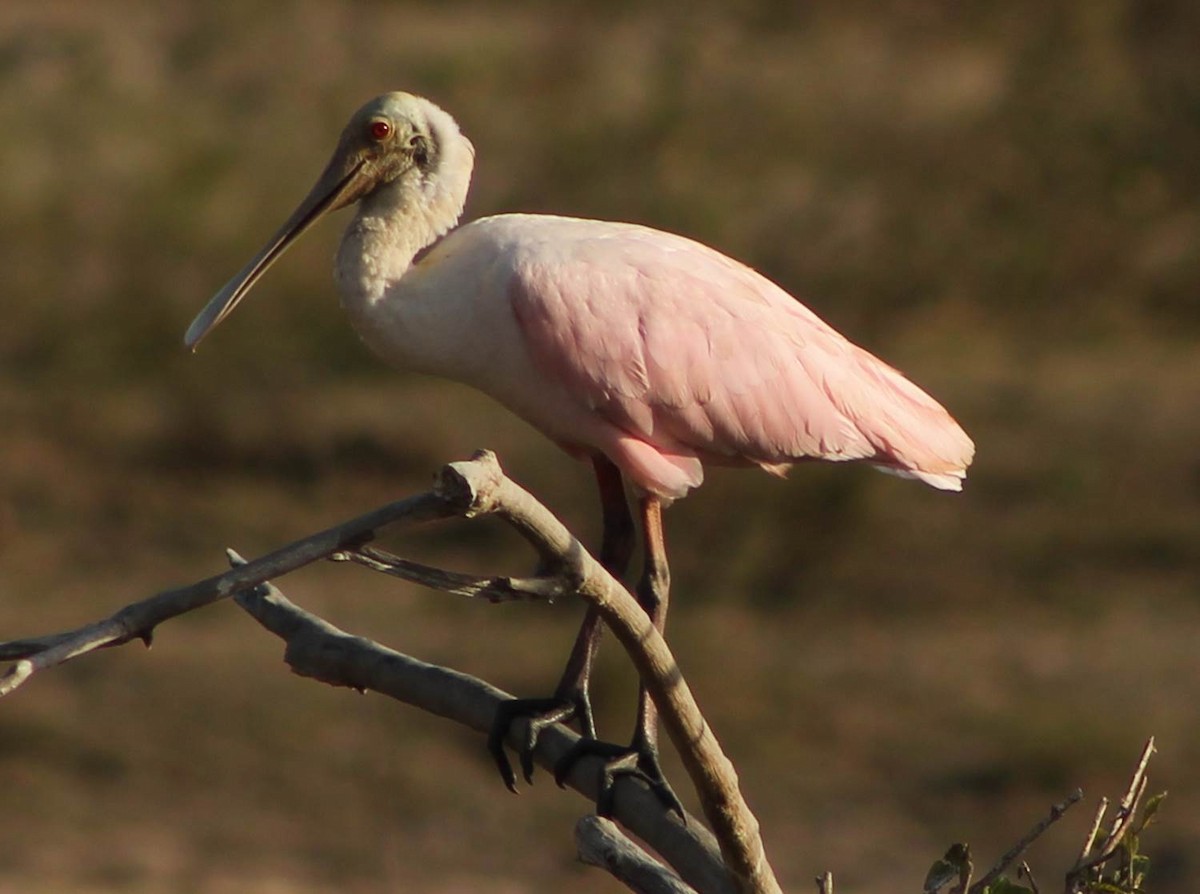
(643, 352)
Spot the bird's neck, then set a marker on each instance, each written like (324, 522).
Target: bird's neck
(375, 253)
(397, 221)
(378, 249)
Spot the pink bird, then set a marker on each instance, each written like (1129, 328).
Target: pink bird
(643, 352)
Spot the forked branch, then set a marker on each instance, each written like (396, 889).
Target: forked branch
(466, 489)
(138, 620)
(316, 649)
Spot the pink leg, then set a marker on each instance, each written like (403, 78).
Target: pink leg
(640, 757)
(616, 550)
(654, 593)
(571, 699)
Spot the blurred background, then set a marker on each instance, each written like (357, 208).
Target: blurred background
(1000, 199)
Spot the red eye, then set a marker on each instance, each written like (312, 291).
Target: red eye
(379, 130)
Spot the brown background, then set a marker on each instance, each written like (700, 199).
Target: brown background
(1002, 201)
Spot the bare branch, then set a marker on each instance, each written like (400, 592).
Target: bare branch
(1090, 840)
(1056, 813)
(320, 651)
(482, 483)
(493, 589)
(1133, 795)
(602, 844)
(469, 489)
(1121, 822)
(137, 621)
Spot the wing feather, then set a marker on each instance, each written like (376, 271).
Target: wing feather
(688, 350)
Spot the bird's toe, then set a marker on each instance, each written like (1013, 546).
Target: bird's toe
(638, 761)
(538, 714)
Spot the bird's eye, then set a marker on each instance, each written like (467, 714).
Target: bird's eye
(379, 130)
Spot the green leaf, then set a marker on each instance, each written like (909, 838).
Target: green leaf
(1138, 867)
(948, 869)
(1151, 808)
(1131, 843)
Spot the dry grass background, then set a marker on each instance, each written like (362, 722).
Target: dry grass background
(1001, 199)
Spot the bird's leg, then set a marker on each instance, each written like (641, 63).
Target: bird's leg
(654, 591)
(640, 757)
(616, 549)
(570, 700)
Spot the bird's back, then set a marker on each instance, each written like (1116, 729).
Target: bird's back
(663, 353)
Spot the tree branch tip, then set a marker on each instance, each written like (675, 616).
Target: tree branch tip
(487, 458)
(12, 678)
(1023, 871)
(1056, 813)
(1057, 810)
(470, 484)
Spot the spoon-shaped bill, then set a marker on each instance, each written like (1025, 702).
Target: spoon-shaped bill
(341, 183)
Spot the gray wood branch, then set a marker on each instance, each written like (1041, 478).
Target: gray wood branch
(472, 586)
(137, 621)
(1122, 820)
(316, 649)
(469, 489)
(483, 485)
(602, 844)
(1009, 857)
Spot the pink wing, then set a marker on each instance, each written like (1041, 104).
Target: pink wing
(702, 358)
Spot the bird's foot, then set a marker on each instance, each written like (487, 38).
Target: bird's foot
(539, 713)
(639, 760)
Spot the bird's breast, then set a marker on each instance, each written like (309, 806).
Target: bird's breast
(447, 315)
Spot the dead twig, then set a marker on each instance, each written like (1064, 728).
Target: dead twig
(1056, 813)
(1090, 840)
(493, 589)
(137, 621)
(1122, 821)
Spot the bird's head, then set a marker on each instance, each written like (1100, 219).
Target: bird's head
(396, 140)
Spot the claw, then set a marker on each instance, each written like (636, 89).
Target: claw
(539, 713)
(569, 702)
(639, 761)
(495, 747)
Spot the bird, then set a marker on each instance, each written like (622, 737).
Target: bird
(646, 354)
